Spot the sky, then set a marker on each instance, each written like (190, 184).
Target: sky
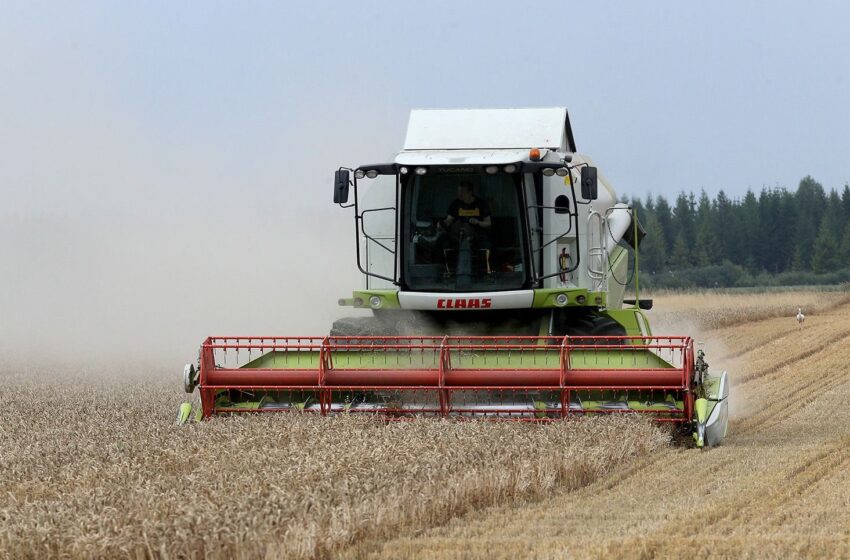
(166, 167)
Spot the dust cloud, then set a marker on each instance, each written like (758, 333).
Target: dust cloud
(118, 248)
(718, 355)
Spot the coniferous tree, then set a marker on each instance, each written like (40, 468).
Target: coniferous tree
(706, 248)
(731, 241)
(751, 233)
(784, 240)
(810, 200)
(665, 219)
(833, 213)
(825, 257)
(653, 251)
(826, 250)
(845, 202)
(835, 204)
(774, 232)
(683, 219)
(680, 257)
(772, 247)
(844, 250)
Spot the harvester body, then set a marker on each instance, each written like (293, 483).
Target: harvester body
(495, 262)
(545, 235)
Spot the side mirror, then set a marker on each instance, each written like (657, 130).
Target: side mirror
(562, 204)
(589, 187)
(341, 186)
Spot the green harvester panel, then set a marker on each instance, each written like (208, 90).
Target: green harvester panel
(497, 359)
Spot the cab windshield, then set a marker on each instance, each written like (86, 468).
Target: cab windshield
(463, 233)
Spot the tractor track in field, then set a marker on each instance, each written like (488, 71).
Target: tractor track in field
(791, 359)
(779, 486)
(750, 347)
(780, 410)
(808, 471)
(797, 392)
(746, 377)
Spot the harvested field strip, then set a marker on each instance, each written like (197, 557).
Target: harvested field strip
(95, 469)
(791, 392)
(788, 350)
(750, 340)
(786, 405)
(777, 489)
(744, 515)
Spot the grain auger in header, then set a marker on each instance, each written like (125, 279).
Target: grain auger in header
(495, 262)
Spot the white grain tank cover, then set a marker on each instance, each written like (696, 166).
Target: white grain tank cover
(470, 129)
(619, 220)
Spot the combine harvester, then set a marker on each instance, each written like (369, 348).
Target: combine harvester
(495, 266)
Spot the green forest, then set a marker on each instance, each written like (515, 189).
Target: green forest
(775, 237)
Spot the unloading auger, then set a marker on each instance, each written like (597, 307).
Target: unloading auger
(476, 229)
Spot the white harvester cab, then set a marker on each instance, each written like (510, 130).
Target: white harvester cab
(556, 224)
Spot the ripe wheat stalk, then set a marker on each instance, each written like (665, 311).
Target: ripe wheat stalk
(94, 468)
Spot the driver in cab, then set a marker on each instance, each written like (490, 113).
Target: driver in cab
(468, 209)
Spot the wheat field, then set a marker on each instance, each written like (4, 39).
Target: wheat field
(91, 465)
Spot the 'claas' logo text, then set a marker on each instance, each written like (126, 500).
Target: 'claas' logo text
(464, 303)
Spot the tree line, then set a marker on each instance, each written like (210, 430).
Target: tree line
(775, 237)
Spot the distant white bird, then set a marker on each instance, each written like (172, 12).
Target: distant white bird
(800, 317)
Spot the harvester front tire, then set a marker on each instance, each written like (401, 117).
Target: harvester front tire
(605, 326)
(583, 323)
(190, 378)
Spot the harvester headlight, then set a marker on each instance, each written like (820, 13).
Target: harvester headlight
(561, 300)
(581, 300)
(548, 171)
(372, 173)
(359, 174)
(491, 169)
(598, 300)
(402, 170)
(510, 168)
(421, 170)
(375, 301)
(561, 172)
(358, 302)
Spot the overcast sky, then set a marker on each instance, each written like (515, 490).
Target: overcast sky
(165, 167)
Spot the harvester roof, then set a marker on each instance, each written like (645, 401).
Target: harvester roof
(499, 129)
